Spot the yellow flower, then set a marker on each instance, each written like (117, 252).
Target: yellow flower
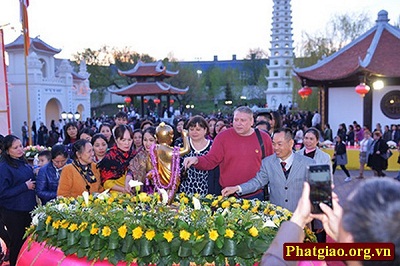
(129, 209)
(122, 230)
(209, 196)
(236, 205)
(219, 198)
(144, 197)
(106, 231)
(56, 224)
(185, 235)
(225, 204)
(168, 235)
(137, 232)
(150, 234)
(184, 200)
(213, 234)
(94, 230)
(232, 199)
(197, 235)
(272, 213)
(110, 200)
(229, 233)
(254, 209)
(48, 219)
(214, 203)
(83, 226)
(253, 231)
(73, 227)
(64, 224)
(246, 206)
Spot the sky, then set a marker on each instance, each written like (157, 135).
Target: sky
(187, 30)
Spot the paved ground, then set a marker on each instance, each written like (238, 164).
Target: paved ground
(342, 189)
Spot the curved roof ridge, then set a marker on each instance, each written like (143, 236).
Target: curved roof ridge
(36, 43)
(148, 69)
(337, 53)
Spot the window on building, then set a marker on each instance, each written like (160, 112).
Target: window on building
(274, 85)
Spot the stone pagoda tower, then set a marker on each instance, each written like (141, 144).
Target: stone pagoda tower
(280, 84)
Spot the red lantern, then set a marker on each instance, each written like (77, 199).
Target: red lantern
(305, 92)
(157, 101)
(362, 89)
(145, 100)
(128, 100)
(171, 101)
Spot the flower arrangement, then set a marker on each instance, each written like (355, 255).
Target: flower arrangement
(141, 228)
(32, 151)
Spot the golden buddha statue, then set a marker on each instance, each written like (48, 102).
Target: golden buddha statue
(165, 159)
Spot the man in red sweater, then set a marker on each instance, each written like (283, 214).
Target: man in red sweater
(237, 151)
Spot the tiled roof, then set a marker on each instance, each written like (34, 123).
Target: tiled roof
(376, 52)
(148, 69)
(36, 44)
(149, 88)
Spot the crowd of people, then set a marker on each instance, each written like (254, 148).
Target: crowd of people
(255, 156)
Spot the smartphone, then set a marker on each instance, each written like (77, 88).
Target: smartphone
(320, 180)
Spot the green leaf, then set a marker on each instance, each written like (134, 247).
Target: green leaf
(81, 253)
(220, 220)
(260, 246)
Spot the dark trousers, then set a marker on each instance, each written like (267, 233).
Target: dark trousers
(16, 222)
(343, 168)
(4, 235)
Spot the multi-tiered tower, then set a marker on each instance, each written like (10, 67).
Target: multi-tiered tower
(280, 85)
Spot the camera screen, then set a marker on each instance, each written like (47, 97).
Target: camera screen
(320, 183)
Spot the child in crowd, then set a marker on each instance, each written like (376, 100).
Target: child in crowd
(44, 158)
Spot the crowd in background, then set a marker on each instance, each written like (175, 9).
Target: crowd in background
(107, 152)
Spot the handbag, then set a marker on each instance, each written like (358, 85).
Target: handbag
(387, 155)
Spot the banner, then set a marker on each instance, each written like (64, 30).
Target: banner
(25, 27)
(5, 123)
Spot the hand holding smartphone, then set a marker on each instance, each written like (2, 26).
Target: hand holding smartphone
(320, 180)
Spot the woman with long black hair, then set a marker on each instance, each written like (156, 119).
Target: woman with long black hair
(17, 193)
(114, 166)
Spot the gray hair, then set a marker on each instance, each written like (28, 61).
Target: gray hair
(243, 109)
(371, 213)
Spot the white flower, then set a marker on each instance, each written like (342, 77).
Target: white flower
(164, 196)
(61, 206)
(269, 223)
(85, 196)
(135, 183)
(35, 220)
(196, 203)
(225, 212)
(104, 195)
